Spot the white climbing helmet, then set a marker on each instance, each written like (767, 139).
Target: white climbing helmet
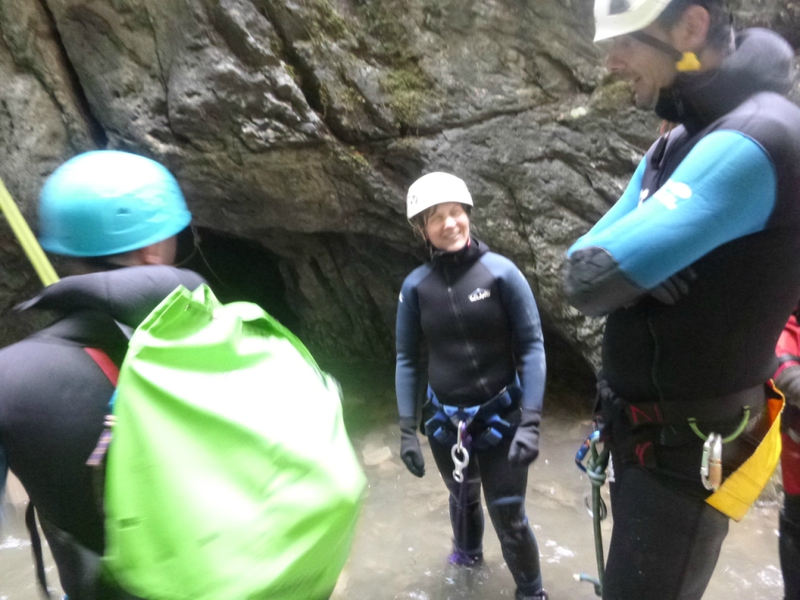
(619, 17)
(436, 188)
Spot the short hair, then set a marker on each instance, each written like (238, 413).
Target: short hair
(720, 25)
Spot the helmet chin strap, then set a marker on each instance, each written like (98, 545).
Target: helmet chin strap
(653, 42)
(684, 61)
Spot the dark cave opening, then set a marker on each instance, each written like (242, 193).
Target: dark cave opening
(237, 270)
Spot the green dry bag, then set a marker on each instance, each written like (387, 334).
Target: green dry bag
(230, 475)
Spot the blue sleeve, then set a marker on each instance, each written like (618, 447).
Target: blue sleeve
(408, 334)
(526, 328)
(724, 189)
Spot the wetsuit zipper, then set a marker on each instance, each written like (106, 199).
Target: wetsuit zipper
(470, 350)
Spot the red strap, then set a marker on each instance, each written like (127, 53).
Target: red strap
(105, 363)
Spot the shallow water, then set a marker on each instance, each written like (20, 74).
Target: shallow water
(404, 538)
(404, 534)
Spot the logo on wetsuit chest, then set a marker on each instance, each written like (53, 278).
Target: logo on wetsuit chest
(479, 294)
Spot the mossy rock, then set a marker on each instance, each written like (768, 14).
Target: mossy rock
(611, 97)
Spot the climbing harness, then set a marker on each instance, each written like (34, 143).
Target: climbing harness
(484, 423)
(742, 487)
(595, 470)
(638, 428)
(460, 454)
(711, 462)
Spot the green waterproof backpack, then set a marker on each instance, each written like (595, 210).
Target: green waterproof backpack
(230, 475)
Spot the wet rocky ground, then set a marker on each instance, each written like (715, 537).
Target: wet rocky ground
(403, 538)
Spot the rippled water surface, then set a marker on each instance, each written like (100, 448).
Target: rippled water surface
(404, 538)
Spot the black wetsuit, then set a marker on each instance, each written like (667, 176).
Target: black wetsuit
(478, 316)
(695, 268)
(53, 401)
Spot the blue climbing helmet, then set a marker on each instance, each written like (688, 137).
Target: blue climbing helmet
(108, 202)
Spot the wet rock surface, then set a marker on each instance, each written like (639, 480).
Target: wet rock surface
(297, 126)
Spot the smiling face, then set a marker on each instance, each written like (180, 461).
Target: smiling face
(651, 69)
(447, 227)
(648, 69)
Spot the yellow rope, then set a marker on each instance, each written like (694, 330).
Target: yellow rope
(26, 238)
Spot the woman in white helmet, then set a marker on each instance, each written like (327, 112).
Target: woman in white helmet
(477, 314)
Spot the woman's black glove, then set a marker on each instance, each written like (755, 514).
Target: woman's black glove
(525, 445)
(410, 451)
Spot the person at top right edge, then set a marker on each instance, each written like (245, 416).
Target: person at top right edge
(787, 378)
(696, 269)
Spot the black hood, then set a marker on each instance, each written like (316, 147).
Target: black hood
(466, 256)
(128, 294)
(761, 62)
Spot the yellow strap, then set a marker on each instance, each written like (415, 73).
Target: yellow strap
(743, 487)
(26, 238)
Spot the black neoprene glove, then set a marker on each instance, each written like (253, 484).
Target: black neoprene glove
(789, 383)
(674, 288)
(525, 445)
(410, 451)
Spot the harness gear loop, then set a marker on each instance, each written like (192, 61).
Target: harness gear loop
(458, 448)
(595, 470)
(736, 433)
(711, 463)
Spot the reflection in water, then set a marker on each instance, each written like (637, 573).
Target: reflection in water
(404, 537)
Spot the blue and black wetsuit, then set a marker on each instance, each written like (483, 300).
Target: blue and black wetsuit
(696, 267)
(477, 314)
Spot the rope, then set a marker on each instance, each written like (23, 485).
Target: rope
(26, 238)
(596, 472)
(459, 555)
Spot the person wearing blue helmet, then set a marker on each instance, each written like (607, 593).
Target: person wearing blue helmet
(114, 216)
(117, 207)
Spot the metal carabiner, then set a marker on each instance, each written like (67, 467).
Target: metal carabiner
(711, 462)
(458, 448)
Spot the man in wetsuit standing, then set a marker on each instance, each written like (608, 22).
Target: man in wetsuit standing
(690, 266)
(114, 215)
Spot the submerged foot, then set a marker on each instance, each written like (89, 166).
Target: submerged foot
(465, 559)
(540, 595)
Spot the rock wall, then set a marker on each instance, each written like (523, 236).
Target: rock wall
(295, 127)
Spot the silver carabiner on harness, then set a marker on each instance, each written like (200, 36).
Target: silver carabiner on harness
(458, 448)
(711, 463)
